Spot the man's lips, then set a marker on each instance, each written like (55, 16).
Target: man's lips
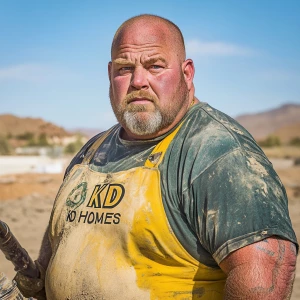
(140, 100)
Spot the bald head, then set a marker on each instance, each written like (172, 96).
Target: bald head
(155, 25)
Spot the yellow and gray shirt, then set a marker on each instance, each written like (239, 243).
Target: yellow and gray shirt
(153, 219)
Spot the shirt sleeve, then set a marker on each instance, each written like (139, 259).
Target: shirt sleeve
(239, 200)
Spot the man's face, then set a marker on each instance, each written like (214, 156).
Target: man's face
(148, 91)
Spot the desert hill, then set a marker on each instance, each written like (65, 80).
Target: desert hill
(15, 126)
(289, 132)
(283, 122)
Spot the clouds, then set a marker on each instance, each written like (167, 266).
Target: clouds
(267, 70)
(217, 48)
(24, 72)
(34, 73)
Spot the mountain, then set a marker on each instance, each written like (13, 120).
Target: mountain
(14, 126)
(283, 121)
(88, 132)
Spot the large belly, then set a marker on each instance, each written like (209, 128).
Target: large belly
(85, 266)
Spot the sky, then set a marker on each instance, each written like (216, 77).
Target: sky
(54, 55)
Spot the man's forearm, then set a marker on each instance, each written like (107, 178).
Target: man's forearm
(269, 274)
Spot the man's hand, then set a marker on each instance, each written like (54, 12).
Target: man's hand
(35, 287)
(263, 270)
(32, 287)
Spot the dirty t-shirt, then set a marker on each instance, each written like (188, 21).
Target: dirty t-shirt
(219, 190)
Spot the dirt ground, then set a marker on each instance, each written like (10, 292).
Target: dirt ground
(26, 201)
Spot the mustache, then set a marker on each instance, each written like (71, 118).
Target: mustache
(139, 94)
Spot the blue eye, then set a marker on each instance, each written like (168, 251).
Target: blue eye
(156, 67)
(125, 70)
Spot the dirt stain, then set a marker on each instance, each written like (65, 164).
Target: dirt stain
(256, 166)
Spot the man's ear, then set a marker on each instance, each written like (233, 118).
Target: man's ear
(109, 67)
(188, 70)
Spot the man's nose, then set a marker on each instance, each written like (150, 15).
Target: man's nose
(139, 78)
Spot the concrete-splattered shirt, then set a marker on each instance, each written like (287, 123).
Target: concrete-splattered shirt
(219, 190)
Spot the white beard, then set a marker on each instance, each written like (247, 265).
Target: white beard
(140, 126)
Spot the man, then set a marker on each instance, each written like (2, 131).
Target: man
(177, 201)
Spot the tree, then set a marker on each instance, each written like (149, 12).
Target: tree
(5, 148)
(270, 141)
(42, 140)
(295, 141)
(25, 136)
(74, 147)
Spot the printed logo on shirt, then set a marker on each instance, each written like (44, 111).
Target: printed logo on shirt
(77, 195)
(92, 217)
(105, 196)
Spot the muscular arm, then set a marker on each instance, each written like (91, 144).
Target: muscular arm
(263, 270)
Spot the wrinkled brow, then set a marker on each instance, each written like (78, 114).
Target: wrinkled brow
(152, 60)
